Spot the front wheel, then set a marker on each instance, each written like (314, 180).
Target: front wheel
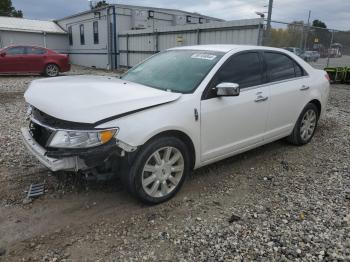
(306, 125)
(159, 170)
(52, 70)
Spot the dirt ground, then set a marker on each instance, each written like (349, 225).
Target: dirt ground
(277, 202)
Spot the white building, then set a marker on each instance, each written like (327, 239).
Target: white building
(93, 35)
(19, 31)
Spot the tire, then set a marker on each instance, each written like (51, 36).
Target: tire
(153, 179)
(51, 70)
(306, 125)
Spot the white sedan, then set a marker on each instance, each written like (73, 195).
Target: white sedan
(179, 110)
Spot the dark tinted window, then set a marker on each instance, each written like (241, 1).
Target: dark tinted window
(70, 35)
(15, 51)
(243, 69)
(280, 66)
(35, 51)
(95, 28)
(82, 36)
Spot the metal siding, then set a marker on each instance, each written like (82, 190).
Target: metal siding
(86, 54)
(55, 42)
(20, 38)
(143, 45)
(122, 43)
(124, 22)
(233, 32)
(91, 60)
(122, 59)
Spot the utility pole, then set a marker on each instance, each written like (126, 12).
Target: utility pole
(330, 46)
(268, 26)
(307, 31)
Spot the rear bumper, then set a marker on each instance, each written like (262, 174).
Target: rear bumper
(54, 164)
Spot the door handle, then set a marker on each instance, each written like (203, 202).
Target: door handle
(261, 99)
(304, 88)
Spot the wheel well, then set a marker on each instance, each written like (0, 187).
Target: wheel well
(317, 104)
(184, 138)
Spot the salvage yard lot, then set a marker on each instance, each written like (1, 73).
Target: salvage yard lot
(276, 202)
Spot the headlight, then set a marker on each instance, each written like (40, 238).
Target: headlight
(81, 139)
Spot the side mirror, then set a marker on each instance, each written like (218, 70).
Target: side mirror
(227, 89)
(3, 54)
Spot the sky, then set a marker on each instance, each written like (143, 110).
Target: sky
(335, 13)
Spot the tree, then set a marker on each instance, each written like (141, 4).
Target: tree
(287, 37)
(100, 4)
(319, 36)
(6, 9)
(319, 23)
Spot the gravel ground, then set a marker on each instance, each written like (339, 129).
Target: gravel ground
(11, 84)
(277, 202)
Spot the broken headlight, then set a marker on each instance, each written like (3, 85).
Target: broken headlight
(81, 139)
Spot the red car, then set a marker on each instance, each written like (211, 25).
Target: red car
(32, 60)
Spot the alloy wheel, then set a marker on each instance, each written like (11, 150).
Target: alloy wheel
(162, 172)
(52, 70)
(308, 124)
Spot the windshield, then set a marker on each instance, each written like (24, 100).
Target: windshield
(177, 70)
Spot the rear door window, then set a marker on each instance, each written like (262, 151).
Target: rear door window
(15, 51)
(281, 67)
(35, 51)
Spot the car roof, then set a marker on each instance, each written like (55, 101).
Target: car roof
(226, 48)
(238, 48)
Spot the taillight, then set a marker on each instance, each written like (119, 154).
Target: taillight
(327, 77)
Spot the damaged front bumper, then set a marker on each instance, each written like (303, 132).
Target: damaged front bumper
(73, 163)
(73, 159)
(43, 127)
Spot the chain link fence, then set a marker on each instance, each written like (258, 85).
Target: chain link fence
(321, 47)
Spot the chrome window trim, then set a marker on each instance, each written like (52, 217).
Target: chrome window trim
(273, 83)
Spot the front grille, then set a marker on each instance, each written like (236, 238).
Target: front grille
(40, 134)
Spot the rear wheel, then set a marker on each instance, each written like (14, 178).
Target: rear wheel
(306, 125)
(159, 170)
(52, 70)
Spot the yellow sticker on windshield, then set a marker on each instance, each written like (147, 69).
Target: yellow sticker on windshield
(203, 56)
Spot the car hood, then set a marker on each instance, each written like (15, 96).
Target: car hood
(90, 99)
